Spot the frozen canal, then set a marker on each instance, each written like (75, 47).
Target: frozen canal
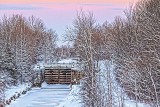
(47, 96)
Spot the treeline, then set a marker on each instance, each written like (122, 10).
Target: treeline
(23, 42)
(131, 45)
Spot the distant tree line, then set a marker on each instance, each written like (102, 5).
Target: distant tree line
(131, 45)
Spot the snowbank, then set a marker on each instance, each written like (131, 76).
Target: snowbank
(14, 90)
(49, 95)
(44, 84)
(73, 99)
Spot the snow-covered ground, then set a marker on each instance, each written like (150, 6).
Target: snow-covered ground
(47, 96)
(14, 90)
(73, 99)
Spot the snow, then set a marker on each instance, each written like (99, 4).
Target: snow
(73, 99)
(65, 63)
(69, 60)
(14, 90)
(130, 103)
(38, 66)
(56, 95)
(44, 84)
(47, 96)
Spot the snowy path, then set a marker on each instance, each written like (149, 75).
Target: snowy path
(48, 96)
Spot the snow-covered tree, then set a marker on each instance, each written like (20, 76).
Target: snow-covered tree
(22, 42)
(137, 52)
(86, 38)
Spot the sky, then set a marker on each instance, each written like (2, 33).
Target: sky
(58, 14)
